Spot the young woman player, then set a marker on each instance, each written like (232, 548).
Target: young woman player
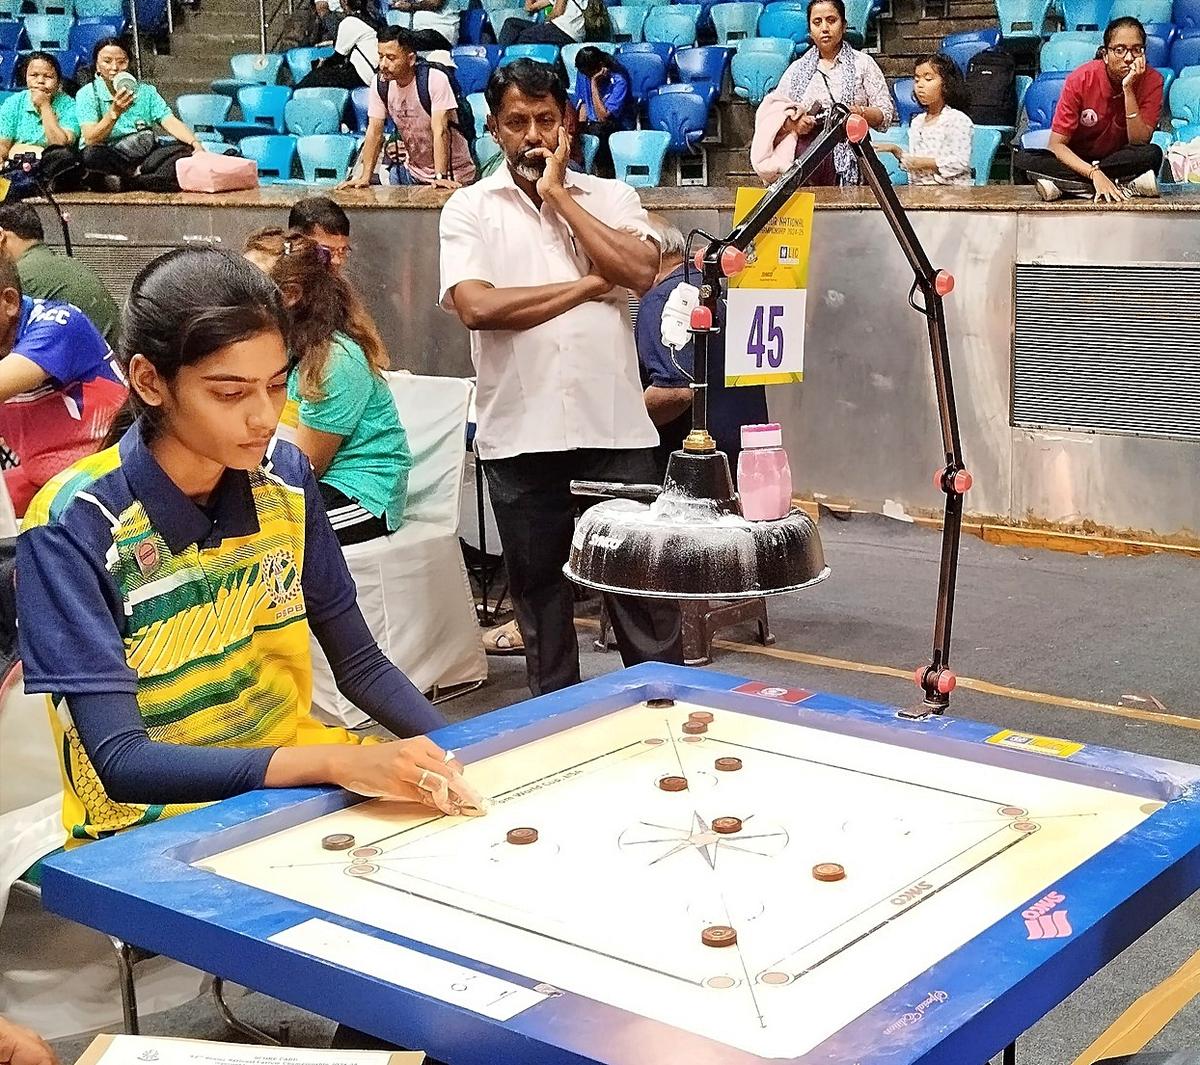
(167, 586)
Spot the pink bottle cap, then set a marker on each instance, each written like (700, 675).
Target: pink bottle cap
(769, 435)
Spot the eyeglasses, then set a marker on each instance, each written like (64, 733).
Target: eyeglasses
(1122, 50)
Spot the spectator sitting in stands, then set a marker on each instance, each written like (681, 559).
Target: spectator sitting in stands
(41, 115)
(59, 387)
(119, 123)
(46, 275)
(939, 139)
(606, 103)
(832, 72)
(667, 374)
(356, 53)
(1106, 115)
(322, 220)
(433, 23)
(562, 25)
(438, 153)
(339, 410)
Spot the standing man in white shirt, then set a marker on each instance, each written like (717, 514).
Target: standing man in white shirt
(535, 262)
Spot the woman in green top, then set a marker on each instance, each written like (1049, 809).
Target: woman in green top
(119, 124)
(42, 115)
(339, 405)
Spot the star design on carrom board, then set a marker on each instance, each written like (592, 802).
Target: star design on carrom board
(700, 836)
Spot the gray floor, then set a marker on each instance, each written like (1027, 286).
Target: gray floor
(1109, 630)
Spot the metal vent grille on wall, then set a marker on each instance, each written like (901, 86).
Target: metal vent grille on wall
(118, 263)
(1108, 348)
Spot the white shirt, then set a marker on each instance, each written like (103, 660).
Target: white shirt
(357, 40)
(444, 21)
(571, 20)
(946, 139)
(573, 381)
(870, 88)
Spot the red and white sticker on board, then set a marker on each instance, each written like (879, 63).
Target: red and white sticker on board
(769, 691)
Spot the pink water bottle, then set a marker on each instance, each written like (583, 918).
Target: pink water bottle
(764, 476)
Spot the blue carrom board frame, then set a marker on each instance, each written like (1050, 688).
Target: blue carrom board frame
(141, 887)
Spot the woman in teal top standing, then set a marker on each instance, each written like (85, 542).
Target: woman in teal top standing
(40, 116)
(339, 406)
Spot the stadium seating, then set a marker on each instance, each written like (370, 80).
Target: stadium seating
(858, 12)
(311, 116)
(897, 135)
(500, 16)
(83, 36)
(1186, 14)
(10, 36)
(479, 111)
(470, 26)
(963, 51)
(300, 61)
(49, 31)
(906, 102)
(785, 18)
(781, 46)
(735, 21)
(1144, 10)
(1166, 30)
(1022, 18)
(472, 71)
(703, 64)
(1042, 98)
(647, 72)
(106, 9)
(274, 156)
(627, 22)
(262, 108)
(984, 144)
(202, 113)
(591, 148)
(674, 24)
(1066, 51)
(570, 51)
(542, 53)
(663, 49)
(339, 98)
(682, 112)
(486, 149)
(756, 73)
(1086, 14)
(1158, 51)
(325, 159)
(249, 68)
(1185, 52)
(1185, 101)
(647, 3)
(359, 98)
(638, 156)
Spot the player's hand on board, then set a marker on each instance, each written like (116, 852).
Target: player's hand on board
(415, 770)
(20, 1046)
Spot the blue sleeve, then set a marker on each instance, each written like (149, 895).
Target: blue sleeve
(653, 354)
(134, 768)
(62, 341)
(583, 91)
(328, 587)
(618, 91)
(372, 683)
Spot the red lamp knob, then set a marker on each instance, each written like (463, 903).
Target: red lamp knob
(946, 681)
(943, 283)
(856, 128)
(919, 676)
(702, 319)
(733, 261)
(962, 482)
(698, 259)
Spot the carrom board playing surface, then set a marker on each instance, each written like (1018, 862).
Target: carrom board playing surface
(971, 858)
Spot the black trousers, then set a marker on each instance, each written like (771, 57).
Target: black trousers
(1129, 162)
(535, 516)
(526, 31)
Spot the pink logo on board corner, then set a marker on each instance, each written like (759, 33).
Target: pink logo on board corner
(1089, 118)
(769, 691)
(1046, 920)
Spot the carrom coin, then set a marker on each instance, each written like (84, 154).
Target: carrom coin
(362, 869)
(365, 852)
(727, 826)
(522, 836)
(728, 765)
(829, 872)
(673, 783)
(701, 715)
(694, 728)
(718, 935)
(338, 841)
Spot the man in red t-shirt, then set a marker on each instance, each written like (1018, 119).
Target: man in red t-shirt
(1107, 113)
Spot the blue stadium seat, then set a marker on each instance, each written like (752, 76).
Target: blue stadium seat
(274, 156)
(1186, 14)
(1168, 31)
(1042, 98)
(359, 98)
(756, 73)
(735, 21)
(682, 112)
(203, 112)
(1168, 76)
(1066, 51)
(646, 3)
(784, 19)
(906, 102)
(962, 52)
(1144, 10)
(262, 108)
(473, 71)
(570, 51)
(627, 22)
(591, 147)
(1185, 101)
(152, 16)
(542, 53)
(647, 72)
(84, 36)
(782, 46)
(68, 61)
(663, 49)
(703, 64)
(10, 36)
(674, 24)
(989, 35)
(638, 156)
(249, 68)
(1185, 52)
(984, 144)
(490, 52)
(51, 32)
(1022, 18)
(1086, 14)
(8, 68)
(311, 116)
(325, 159)
(300, 61)
(106, 9)
(470, 25)
(1158, 51)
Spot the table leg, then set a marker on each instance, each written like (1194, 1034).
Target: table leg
(1010, 1054)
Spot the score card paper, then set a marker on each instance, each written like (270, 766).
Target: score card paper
(764, 326)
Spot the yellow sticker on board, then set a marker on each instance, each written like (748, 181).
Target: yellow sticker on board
(1026, 741)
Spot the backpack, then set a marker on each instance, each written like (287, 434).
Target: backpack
(597, 26)
(464, 118)
(992, 83)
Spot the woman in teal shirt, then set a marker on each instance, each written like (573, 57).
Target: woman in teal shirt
(42, 115)
(339, 406)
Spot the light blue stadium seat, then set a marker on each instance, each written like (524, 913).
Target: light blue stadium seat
(682, 112)
(989, 35)
(109, 9)
(250, 68)
(1071, 49)
(49, 32)
(735, 21)
(310, 117)
(1168, 77)
(500, 15)
(262, 108)
(984, 145)
(784, 19)
(1144, 10)
(10, 10)
(541, 53)
(300, 61)
(1086, 14)
(858, 13)
(1185, 101)
(591, 146)
(647, 72)
(340, 98)
(638, 156)
(897, 135)
(54, 7)
(486, 149)
(783, 46)
(962, 52)
(325, 158)
(756, 73)
(627, 22)
(274, 156)
(663, 49)
(1022, 18)
(203, 112)
(646, 3)
(906, 102)
(674, 24)
(1023, 83)
(479, 111)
